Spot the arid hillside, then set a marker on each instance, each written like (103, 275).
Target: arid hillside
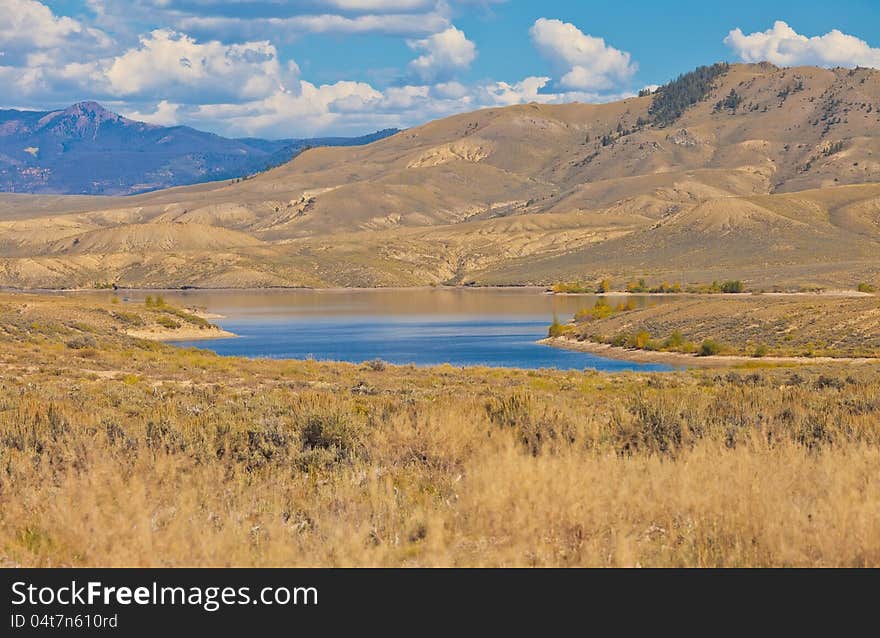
(766, 174)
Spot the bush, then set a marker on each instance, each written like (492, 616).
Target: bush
(666, 288)
(620, 340)
(640, 341)
(709, 348)
(761, 351)
(79, 343)
(732, 287)
(866, 287)
(168, 322)
(330, 431)
(129, 318)
(674, 341)
(557, 329)
(637, 286)
(572, 288)
(603, 287)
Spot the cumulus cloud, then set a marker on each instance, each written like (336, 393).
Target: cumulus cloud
(784, 46)
(29, 27)
(165, 114)
(218, 79)
(171, 65)
(445, 53)
(588, 63)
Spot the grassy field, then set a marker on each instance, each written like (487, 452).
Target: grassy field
(740, 325)
(130, 452)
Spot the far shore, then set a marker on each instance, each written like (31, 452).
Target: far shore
(525, 287)
(689, 360)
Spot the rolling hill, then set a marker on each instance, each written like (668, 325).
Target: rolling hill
(751, 171)
(86, 149)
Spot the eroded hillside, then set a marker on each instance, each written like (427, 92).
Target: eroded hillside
(770, 175)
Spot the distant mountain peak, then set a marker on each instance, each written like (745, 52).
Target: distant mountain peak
(92, 111)
(86, 148)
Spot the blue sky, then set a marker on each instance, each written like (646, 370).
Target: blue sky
(283, 68)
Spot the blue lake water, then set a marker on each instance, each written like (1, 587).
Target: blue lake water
(495, 327)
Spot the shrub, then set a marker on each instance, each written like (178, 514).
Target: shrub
(168, 322)
(330, 431)
(761, 351)
(572, 288)
(666, 288)
(640, 340)
(637, 286)
(709, 348)
(732, 286)
(79, 343)
(866, 287)
(601, 310)
(603, 287)
(376, 365)
(557, 329)
(535, 427)
(674, 341)
(129, 318)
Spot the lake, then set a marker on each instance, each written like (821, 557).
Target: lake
(486, 327)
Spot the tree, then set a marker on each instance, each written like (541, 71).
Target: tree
(673, 99)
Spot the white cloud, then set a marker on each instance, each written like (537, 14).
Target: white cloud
(284, 113)
(165, 114)
(588, 63)
(286, 28)
(28, 27)
(784, 46)
(173, 66)
(504, 94)
(445, 53)
(236, 85)
(32, 25)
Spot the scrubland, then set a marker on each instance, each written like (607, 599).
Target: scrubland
(807, 326)
(130, 452)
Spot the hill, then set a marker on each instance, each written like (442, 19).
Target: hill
(745, 171)
(86, 149)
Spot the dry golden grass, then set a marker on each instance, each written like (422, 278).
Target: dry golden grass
(136, 453)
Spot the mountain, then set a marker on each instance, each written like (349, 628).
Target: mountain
(86, 149)
(771, 175)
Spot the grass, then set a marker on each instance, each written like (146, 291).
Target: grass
(144, 454)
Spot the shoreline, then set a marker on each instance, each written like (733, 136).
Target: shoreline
(690, 360)
(525, 287)
(717, 295)
(167, 335)
(13, 290)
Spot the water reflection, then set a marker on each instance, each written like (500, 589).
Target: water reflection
(492, 327)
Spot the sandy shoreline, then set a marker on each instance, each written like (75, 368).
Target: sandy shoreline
(688, 360)
(182, 334)
(722, 295)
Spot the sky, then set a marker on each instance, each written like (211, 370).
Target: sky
(303, 68)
